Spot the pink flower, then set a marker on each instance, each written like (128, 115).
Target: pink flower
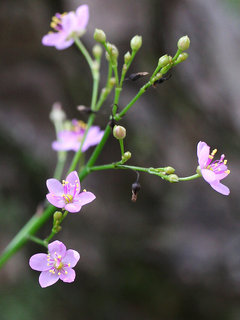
(71, 139)
(212, 171)
(55, 265)
(67, 194)
(66, 27)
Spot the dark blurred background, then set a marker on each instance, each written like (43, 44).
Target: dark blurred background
(175, 253)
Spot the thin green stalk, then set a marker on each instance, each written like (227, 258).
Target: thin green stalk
(38, 241)
(121, 146)
(84, 51)
(194, 176)
(62, 156)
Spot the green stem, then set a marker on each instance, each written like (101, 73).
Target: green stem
(121, 146)
(38, 241)
(84, 51)
(194, 176)
(62, 156)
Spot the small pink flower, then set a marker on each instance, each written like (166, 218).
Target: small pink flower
(212, 171)
(71, 139)
(67, 194)
(66, 27)
(55, 265)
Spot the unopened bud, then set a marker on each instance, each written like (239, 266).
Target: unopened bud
(112, 82)
(136, 43)
(163, 61)
(127, 57)
(57, 114)
(99, 35)
(126, 156)
(97, 51)
(57, 215)
(183, 43)
(113, 51)
(119, 132)
(173, 178)
(169, 170)
(182, 57)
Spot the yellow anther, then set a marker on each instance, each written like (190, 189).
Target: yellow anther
(55, 19)
(225, 161)
(227, 171)
(59, 273)
(66, 272)
(210, 157)
(59, 257)
(53, 24)
(82, 124)
(214, 152)
(48, 264)
(84, 190)
(68, 264)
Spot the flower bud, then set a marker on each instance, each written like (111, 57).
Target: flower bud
(182, 57)
(169, 170)
(119, 132)
(99, 35)
(126, 156)
(173, 178)
(163, 61)
(136, 43)
(183, 43)
(97, 51)
(57, 114)
(57, 215)
(112, 82)
(113, 52)
(127, 57)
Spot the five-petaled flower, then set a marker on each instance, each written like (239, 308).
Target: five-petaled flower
(67, 194)
(55, 265)
(66, 26)
(212, 171)
(71, 139)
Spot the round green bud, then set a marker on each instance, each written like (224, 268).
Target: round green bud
(182, 57)
(57, 215)
(173, 178)
(97, 51)
(183, 43)
(169, 170)
(136, 43)
(163, 61)
(113, 51)
(126, 156)
(119, 132)
(112, 82)
(127, 57)
(99, 36)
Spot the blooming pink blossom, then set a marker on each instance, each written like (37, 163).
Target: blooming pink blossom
(71, 139)
(66, 27)
(212, 171)
(55, 265)
(67, 194)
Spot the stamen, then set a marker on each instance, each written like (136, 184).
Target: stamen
(225, 161)
(66, 272)
(59, 273)
(214, 152)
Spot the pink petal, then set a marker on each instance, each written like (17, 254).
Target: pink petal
(66, 141)
(64, 44)
(85, 197)
(73, 179)
(39, 262)
(82, 13)
(94, 136)
(221, 188)
(55, 187)
(57, 247)
(203, 156)
(208, 175)
(47, 278)
(200, 145)
(69, 23)
(73, 207)
(72, 257)
(56, 201)
(69, 277)
(51, 39)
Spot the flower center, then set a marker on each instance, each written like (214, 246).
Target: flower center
(217, 166)
(56, 23)
(68, 198)
(56, 264)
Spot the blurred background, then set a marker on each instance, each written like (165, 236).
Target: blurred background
(175, 253)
